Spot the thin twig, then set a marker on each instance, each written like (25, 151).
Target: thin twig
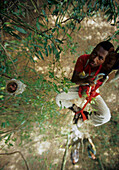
(8, 55)
(13, 3)
(34, 5)
(63, 39)
(63, 23)
(21, 23)
(21, 156)
(5, 75)
(35, 30)
(65, 154)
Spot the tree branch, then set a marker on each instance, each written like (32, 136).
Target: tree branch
(65, 154)
(11, 153)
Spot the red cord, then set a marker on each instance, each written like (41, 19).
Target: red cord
(93, 92)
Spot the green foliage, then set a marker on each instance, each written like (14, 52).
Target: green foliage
(39, 35)
(50, 35)
(20, 29)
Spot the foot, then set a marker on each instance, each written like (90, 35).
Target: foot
(75, 156)
(75, 153)
(91, 151)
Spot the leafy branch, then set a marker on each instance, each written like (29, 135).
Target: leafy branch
(8, 55)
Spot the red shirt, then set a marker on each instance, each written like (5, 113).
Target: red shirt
(82, 65)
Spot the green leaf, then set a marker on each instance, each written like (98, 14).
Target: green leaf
(6, 141)
(15, 35)
(7, 122)
(55, 51)
(56, 20)
(49, 49)
(47, 36)
(10, 144)
(37, 56)
(23, 122)
(7, 23)
(46, 52)
(32, 59)
(45, 43)
(29, 36)
(79, 27)
(3, 125)
(20, 29)
(53, 47)
(43, 12)
(39, 52)
(1, 96)
(69, 36)
(2, 88)
(65, 89)
(15, 60)
(53, 30)
(37, 24)
(8, 29)
(51, 74)
(117, 32)
(14, 139)
(59, 25)
(59, 41)
(108, 12)
(42, 25)
(56, 88)
(110, 17)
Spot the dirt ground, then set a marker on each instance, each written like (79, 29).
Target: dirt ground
(46, 151)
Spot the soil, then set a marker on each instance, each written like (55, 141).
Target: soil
(46, 151)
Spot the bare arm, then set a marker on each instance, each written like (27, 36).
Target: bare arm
(113, 76)
(76, 79)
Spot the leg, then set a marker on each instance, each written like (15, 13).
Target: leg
(102, 114)
(63, 99)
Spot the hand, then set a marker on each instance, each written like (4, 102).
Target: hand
(89, 80)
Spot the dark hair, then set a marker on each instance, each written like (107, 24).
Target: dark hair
(106, 45)
(9, 89)
(116, 65)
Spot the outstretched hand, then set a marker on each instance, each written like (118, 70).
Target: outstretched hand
(90, 80)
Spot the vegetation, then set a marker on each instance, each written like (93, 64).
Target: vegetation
(33, 33)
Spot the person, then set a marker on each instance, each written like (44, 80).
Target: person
(102, 61)
(15, 87)
(87, 68)
(11, 87)
(111, 66)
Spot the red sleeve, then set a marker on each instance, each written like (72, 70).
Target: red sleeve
(79, 67)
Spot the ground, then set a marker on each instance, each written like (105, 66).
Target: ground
(46, 151)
